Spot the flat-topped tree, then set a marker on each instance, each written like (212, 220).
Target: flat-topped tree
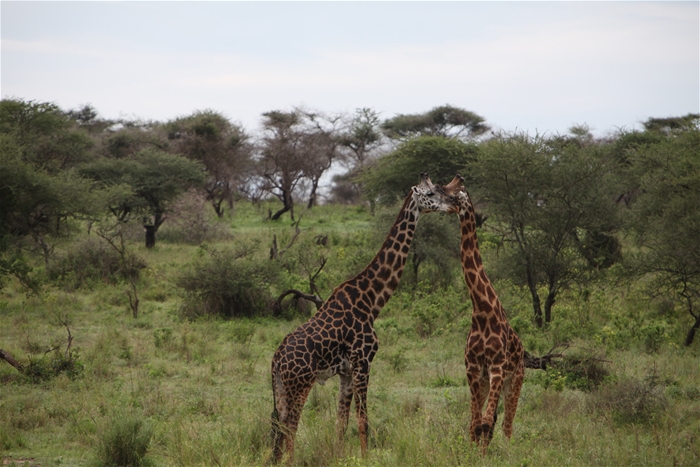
(340, 339)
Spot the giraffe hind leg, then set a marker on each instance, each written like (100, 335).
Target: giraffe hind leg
(344, 400)
(511, 395)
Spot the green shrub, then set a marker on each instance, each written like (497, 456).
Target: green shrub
(227, 284)
(580, 372)
(47, 367)
(90, 261)
(124, 443)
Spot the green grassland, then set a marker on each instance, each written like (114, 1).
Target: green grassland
(201, 389)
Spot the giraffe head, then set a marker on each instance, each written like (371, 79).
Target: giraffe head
(457, 191)
(430, 198)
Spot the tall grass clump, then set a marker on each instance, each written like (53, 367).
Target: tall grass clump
(124, 443)
(631, 400)
(228, 284)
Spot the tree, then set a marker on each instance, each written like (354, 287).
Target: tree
(35, 204)
(446, 120)
(46, 136)
(222, 147)
(548, 199)
(296, 146)
(362, 137)
(665, 218)
(322, 149)
(395, 173)
(281, 160)
(145, 185)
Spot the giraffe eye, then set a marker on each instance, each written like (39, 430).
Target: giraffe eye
(430, 193)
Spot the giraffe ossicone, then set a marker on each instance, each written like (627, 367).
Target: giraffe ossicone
(340, 339)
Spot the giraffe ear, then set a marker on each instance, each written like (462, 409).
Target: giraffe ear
(425, 180)
(454, 184)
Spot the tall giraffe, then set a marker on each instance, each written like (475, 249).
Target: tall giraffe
(494, 355)
(340, 339)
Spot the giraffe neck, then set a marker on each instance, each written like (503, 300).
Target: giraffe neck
(383, 273)
(484, 298)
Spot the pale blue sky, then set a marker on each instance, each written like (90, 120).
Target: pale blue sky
(534, 66)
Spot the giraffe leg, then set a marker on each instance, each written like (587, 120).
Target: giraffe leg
(511, 394)
(344, 401)
(288, 421)
(489, 418)
(360, 382)
(477, 387)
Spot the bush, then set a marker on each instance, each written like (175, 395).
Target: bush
(92, 260)
(631, 400)
(47, 367)
(192, 221)
(581, 372)
(124, 443)
(228, 284)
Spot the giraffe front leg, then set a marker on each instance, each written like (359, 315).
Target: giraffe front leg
(489, 418)
(476, 388)
(344, 401)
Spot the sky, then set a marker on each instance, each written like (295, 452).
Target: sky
(539, 67)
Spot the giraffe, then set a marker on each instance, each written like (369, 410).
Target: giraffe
(340, 339)
(494, 355)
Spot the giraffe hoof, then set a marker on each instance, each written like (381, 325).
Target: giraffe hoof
(477, 431)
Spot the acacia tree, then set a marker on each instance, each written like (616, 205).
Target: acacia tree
(36, 205)
(145, 185)
(664, 215)
(394, 174)
(547, 199)
(321, 145)
(445, 120)
(362, 137)
(222, 147)
(41, 194)
(48, 138)
(295, 146)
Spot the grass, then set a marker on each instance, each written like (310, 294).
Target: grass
(201, 389)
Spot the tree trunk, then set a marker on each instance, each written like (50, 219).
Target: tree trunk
(312, 197)
(288, 206)
(536, 305)
(218, 209)
(150, 235)
(696, 325)
(548, 304)
(277, 215)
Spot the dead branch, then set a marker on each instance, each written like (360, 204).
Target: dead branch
(540, 363)
(312, 279)
(277, 306)
(133, 299)
(9, 359)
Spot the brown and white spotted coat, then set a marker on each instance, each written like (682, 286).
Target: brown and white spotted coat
(494, 355)
(340, 339)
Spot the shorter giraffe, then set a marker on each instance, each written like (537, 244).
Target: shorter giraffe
(494, 355)
(340, 339)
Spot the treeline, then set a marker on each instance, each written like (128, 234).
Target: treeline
(562, 210)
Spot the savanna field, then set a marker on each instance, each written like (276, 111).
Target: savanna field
(170, 384)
